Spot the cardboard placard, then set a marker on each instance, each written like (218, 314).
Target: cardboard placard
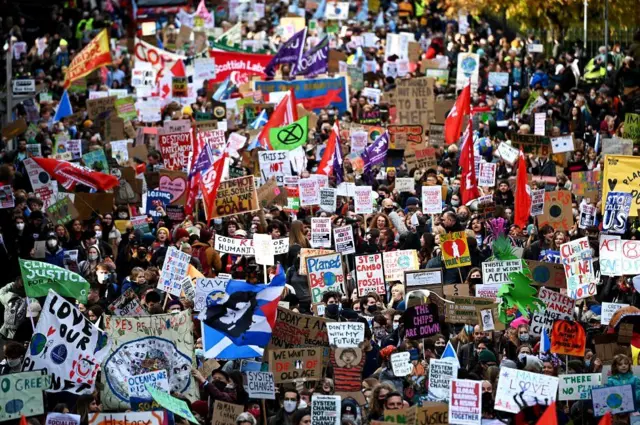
(294, 330)
(415, 101)
(421, 321)
(370, 274)
(463, 309)
(236, 196)
(324, 274)
(557, 211)
(98, 107)
(225, 413)
(296, 364)
(568, 338)
(174, 182)
(93, 203)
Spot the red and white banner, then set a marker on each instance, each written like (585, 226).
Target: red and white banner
(68, 174)
(239, 65)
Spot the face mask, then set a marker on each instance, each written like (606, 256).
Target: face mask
(455, 203)
(220, 385)
(217, 221)
(380, 333)
(440, 351)
(199, 352)
(395, 325)
(455, 188)
(524, 338)
(92, 257)
(468, 329)
(98, 234)
(20, 226)
(476, 281)
(372, 308)
(349, 418)
(101, 277)
(332, 310)
(290, 406)
(254, 412)
(52, 243)
(587, 363)
(14, 362)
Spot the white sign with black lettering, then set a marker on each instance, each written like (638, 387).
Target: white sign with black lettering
(328, 199)
(498, 271)
(401, 363)
(261, 385)
(343, 240)
(441, 372)
(24, 86)
(345, 334)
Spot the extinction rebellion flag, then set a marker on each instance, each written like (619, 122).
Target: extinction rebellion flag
(38, 277)
(291, 136)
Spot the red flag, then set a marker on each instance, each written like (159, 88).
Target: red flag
(453, 123)
(550, 416)
(193, 184)
(523, 197)
(469, 184)
(607, 419)
(284, 114)
(326, 164)
(23, 420)
(178, 69)
(69, 174)
(209, 184)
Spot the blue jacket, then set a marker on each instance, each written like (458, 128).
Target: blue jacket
(626, 378)
(57, 258)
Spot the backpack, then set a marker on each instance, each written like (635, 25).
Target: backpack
(200, 252)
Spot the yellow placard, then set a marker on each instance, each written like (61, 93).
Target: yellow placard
(455, 250)
(622, 174)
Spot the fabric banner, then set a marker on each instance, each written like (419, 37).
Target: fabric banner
(289, 137)
(160, 342)
(314, 61)
(239, 66)
(38, 277)
(69, 174)
(93, 56)
(67, 346)
(314, 95)
(161, 60)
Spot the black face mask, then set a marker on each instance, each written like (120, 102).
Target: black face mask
(332, 310)
(487, 399)
(440, 351)
(220, 385)
(475, 281)
(372, 309)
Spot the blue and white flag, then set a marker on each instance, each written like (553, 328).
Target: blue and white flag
(64, 108)
(238, 321)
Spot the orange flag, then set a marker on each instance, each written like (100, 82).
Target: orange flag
(93, 56)
(606, 419)
(23, 420)
(550, 416)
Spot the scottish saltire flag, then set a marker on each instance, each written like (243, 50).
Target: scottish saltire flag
(376, 153)
(238, 321)
(545, 342)
(260, 120)
(224, 90)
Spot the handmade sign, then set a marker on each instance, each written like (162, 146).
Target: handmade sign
(264, 253)
(619, 175)
(205, 286)
(370, 274)
(148, 418)
(608, 310)
(321, 232)
(65, 419)
(310, 252)
(165, 341)
(586, 184)
(405, 184)
(441, 372)
(455, 250)
(175, 149)
(175, 183)
(72, 363)
(260, 385)
(465, 402)
(578, 267)
(325, 409)
(347, 365)
(362, 200)
(496, 272)
(587, 216)
(463, 309)
(547, 274)
(294, 330)
(397, 262)
(415, 101)
(537, 202)
(296, 364)
(405, 136)
(422, 279)
(236, 196)
(432, 199)
(616, 212)
(531, 385)
(401, 363)
(421, 321)
(619, 256)
(578, 386)
(21, 394)
(233, 246)
(328, 199)
(614, 399)
(325, 274)
(568, 338)
(345, 334)
(558, 307)
(557, 211)
(137, 384)
(175, 405)
(175, 267)
(562, 144)
(127, 304)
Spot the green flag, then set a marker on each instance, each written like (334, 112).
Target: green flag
(291, 136)
(38, 277)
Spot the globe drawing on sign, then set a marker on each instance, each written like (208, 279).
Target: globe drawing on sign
(329, 279)
(469, 65)
(404, 262)
(38, 342)
(541, 274)
(59, 354)
(614, 401)
(14, 406)
(484, 147)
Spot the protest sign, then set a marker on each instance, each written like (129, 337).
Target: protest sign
(608, 310)
(263, 245)
(463, 309)
(586, 184)
(537, 202)
(405, 184)
(225, 413)
(432, 199)
(155, 199)
(173, 404)
(260, 385)
(98, 107)
(547, 274)
(314, 95)
(345, 334)
(205, 286)
(127, 304)
(280, 246)
(557, 307)
(531, 385)
(619, 175)
(325, 409)
(398, 262)
(274, 164)
(325, 274)
(432, 413)
(468, 71)
(455, 250)
(421, 158)
(487, 175)
(441, 372)
(309, 192)
(488, 291)
(401, 363)
(21, 394)
(500, 79)
(507, 153)
(421, 321)
(236, 196)
(562, 144)
(415, 101)
(616, 212)
(343, 240)
(614, 399)
(406, 137)
(233, 246)
(321, 232)
(175, 183)
(157, 379)
(175, 267)
(568, 338)
(310, 252)
(175, 149)
(619, 256)
(147, 418)
(494, 272)
(578, 267)
(616, 146)
(422, 279)
(370, 274)
(63, 419)
(465, 402)
(295, 330)
(51, 346)
(165, 340)
(328, 199)
(557, 211)
(578, 386)
(587, 216)
(363, 202)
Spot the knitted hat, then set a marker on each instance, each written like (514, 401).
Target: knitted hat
(181, 233)
(486, 356)
(205, 235)
(166, 231)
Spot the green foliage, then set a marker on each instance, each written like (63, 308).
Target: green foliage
(519, 294)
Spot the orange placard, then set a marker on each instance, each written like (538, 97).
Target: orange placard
(568, 337)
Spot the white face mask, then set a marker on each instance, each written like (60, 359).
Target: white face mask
(93, 257)
(98, 234)
(20, 226)
(101, 277)
(14, 362)
(290, 406)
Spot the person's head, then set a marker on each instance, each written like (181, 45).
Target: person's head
(290, 401)
(301, 417)
(524, 348)
(548, 368)
(449, 219)
(379, 396)
(331, 297)
(546, 234)
(559, 238)
(93, 254)
(478, 335)
(393, 401)
(94, 313)
(621, 364)
(163, 235)
(13, 353)
(523, 333)
(245, 418)
(397, 292)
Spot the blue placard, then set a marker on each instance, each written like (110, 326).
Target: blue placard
(314, 94)
(154, 198)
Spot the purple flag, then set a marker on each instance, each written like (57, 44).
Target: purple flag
(314, 61)
(289, 52)
(338, 170)
(203, 162)
(376, 153)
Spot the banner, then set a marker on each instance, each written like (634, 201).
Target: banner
(174, 269)
(324, 274)
(147, 418)
(455, 250)
(314, 95)
(238, 66)
(69, 174)
(494, 272)
(370, 274)
(160, 60)
(38, 277)
(293, 330)
(531, 385)
(21, 394)
(236, 196)
(398, 262)
(93, 56)
(164, 341)
(67, 346)
(465, 402)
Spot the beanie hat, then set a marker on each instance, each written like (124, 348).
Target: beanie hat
(412, 201)
(205, 235)
(486, 356)
(181, 233)
(165, 230)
